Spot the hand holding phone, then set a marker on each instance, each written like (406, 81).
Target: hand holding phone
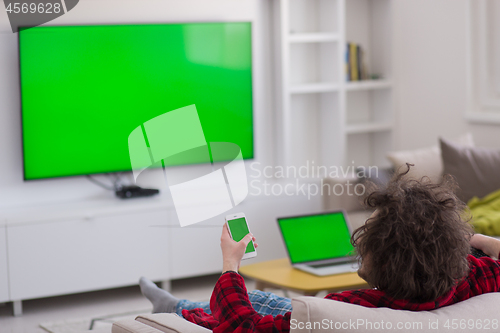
(236, 227)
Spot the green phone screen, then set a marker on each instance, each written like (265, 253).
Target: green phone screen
(239, 229)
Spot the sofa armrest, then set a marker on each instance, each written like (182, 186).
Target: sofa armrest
(170, 323)
(132, 326)
(316, 315)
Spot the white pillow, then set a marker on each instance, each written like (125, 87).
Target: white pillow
(477, 314)
(427, 161)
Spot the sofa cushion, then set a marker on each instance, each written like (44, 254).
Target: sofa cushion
(132, 326)
(477, 170)
(170, 323)
(479, 312)
(427, 161)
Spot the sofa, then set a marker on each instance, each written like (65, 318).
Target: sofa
(312, 315)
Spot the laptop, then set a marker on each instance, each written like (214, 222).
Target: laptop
(319, 244)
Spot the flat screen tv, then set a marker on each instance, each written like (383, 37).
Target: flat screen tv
(84, 89)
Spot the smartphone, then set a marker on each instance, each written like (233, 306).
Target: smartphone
(238, 228)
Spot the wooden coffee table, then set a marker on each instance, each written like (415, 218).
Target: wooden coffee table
(280, 274)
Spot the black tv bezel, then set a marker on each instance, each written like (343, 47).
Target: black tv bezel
(118, 24)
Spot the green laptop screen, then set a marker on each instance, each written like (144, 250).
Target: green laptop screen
(84, 89)
(316, 237)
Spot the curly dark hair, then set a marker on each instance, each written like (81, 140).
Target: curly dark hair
(416, 243)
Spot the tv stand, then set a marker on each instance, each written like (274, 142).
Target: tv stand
(104, 242)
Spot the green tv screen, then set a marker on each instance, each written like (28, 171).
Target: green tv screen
(84, 89)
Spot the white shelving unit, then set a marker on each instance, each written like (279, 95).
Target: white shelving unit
(311, 88)
(324, 119)
(368, 85)
(313, 37)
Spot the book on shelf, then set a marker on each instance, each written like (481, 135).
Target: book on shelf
(347, 68)
(355, 63)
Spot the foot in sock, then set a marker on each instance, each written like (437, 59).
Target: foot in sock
(163, 301)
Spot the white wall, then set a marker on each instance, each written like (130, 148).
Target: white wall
(430, 57)
(14, 191)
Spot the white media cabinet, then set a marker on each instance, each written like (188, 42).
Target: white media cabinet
(106, 242)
